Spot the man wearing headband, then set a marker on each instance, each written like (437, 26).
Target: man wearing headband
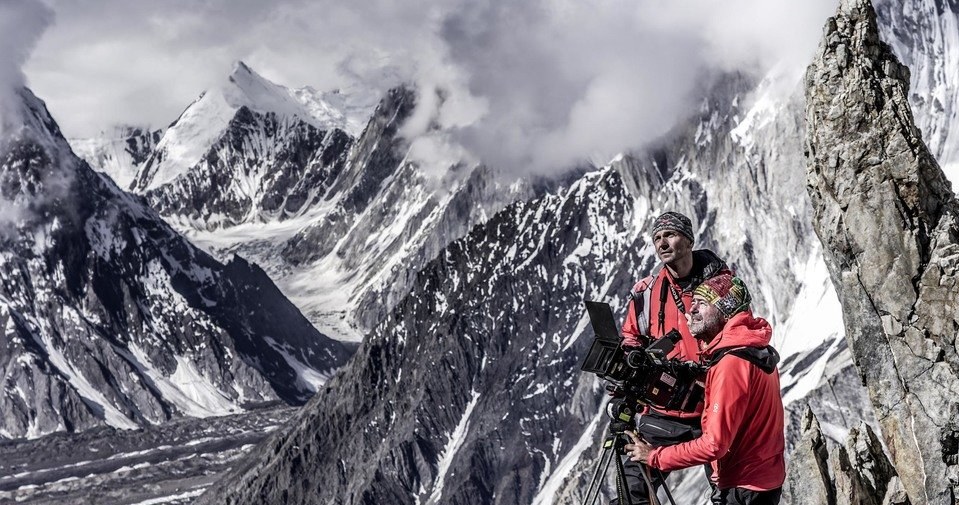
(742, 423)
(658, 304)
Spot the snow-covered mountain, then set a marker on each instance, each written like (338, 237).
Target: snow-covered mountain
(111, 317)
(119, 152)
(341, 222)
(247, 151)
(472, 379)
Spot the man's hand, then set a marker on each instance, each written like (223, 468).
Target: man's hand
(638, 450)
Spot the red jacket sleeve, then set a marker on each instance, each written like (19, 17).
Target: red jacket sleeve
(727, 395)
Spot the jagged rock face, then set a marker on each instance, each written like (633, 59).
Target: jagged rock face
(264, 167)
(807, 479)
(863, 472)
(428, 385)
(888, 222)
(111, 317)
(857, 473)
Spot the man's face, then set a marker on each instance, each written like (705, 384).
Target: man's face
(705, 320)
(671, 246)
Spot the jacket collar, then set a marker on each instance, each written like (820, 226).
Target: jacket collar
(741, 330)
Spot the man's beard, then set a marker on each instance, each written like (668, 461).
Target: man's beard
(706, 328)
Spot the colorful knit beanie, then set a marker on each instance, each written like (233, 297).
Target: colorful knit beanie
(727, 293)
(676, 222)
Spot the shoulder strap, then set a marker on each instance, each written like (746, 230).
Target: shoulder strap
(765, 358)
(641, 302)
(668, 289)
(663, 291)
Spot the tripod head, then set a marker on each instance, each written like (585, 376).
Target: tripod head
(621, 411)
(622, 416)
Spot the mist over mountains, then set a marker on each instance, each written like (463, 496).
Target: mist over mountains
(241, 254)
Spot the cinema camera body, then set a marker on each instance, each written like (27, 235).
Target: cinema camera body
(644, 375)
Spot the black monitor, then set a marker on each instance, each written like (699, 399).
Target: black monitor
(601, 318)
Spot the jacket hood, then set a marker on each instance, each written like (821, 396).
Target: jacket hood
(742, 330)
(706, 262)
(705, 265)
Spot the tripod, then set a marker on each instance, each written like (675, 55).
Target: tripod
(621, 415)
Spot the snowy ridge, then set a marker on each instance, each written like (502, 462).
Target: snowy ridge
(189, 139)
(110, 317)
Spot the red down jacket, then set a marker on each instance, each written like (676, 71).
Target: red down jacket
(743, 416)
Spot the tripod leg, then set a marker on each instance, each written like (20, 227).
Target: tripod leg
(622, 490)
(601, 465)
(650, 486)
(666, 488)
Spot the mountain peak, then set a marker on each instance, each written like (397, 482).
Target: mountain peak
(246, 88)
(26, 119)
(239, 67)
(199, 126)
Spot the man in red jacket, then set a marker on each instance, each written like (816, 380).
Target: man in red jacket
(657, 305)
(742, 421)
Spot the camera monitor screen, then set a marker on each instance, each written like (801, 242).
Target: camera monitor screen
(601, 318)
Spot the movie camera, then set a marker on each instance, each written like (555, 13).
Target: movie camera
(644, 374)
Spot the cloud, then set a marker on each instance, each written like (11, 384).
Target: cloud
(21, 24)
(529, 86)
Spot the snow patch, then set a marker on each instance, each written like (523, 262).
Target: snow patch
(176, 497)
(548, 491)
(307, 377)
(449, 452)
(187, 389)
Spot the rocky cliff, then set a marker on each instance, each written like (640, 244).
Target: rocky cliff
(889, 225)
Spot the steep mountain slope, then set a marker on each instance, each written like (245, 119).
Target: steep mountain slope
(110, 316)
(924, 35)
(247, 151)
(890, 226)
(118, 153)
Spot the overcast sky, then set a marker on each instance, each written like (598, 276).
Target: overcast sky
(527, 82)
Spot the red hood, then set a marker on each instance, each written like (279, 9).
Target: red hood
(742, 330)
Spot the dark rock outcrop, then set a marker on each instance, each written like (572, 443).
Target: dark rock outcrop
(889, 225)
(857, 473)
(807, 479)
(864, 475)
